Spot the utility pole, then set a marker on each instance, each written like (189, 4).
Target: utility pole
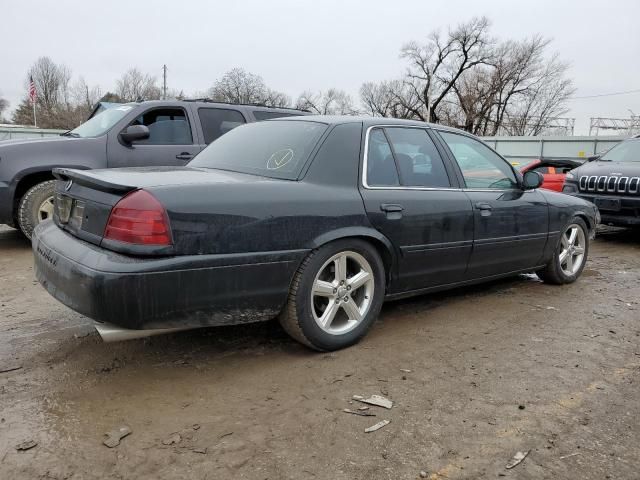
(164, 82)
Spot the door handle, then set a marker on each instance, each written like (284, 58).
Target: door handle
(393, 211)
(184, 156)
(485, 208)
(391, 207)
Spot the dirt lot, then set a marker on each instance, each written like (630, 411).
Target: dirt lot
(511, 366)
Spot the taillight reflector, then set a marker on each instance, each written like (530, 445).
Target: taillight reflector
(139, 218)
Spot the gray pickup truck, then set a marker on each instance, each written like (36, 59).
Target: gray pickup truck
(138, 134)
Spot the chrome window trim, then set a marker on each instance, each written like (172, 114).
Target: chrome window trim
(403, 187)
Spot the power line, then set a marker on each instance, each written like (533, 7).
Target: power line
(606, 94)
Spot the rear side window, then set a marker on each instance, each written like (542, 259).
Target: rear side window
(418, 161)
(167, 126)
(381, 167)
(266, 115)
(218, 121)
(404, 156)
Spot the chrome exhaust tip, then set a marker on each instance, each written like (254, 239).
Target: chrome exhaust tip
(113, 333)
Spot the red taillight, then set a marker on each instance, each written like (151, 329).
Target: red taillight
(140, 219)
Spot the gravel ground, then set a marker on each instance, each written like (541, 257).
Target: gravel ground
(475, 374)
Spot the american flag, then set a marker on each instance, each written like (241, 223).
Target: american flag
(32, 90)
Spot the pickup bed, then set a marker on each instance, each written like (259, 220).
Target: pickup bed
(141, 134)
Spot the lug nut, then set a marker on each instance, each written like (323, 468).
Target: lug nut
(335, 290)
(346, 299)
(348, 287)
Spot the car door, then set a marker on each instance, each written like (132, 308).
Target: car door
(412, 196)
(510, 224)
(170, 142)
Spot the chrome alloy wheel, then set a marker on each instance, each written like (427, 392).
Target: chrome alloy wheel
(45, 210)
(573, 243)
(342, 292)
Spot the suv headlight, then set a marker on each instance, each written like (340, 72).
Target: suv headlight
(570, 176)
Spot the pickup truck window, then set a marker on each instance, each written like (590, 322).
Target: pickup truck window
(218, 121)
(167, 126)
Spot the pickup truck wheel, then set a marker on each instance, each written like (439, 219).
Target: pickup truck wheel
(570, 255)
(335, 296)
(36, 206)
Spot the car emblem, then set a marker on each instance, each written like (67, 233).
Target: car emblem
(615, 173)
(67, 187)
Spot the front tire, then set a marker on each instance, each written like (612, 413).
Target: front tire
(36, 206)
(570, 255)
(336, 295)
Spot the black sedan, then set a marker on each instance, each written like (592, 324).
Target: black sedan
(314, 220)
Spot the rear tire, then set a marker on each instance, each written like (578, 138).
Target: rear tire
(36, 206)
(336, 295)
(569, 256)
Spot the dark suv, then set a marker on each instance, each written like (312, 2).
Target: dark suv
(138, 134)
(612, 182)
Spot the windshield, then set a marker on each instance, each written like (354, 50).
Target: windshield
(271, 149)
(101, 123)
(628, 151)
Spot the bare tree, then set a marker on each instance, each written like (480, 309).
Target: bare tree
(4, 105)
(436, 66)
(240, 86)
(544, 100)
(391, 98)
(330, 102)
(85, 96)
(135, 85)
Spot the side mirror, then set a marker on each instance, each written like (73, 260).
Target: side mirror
(532, 180)
(133, 133)
(593, 158)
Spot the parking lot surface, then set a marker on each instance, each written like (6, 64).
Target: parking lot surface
(476, 375)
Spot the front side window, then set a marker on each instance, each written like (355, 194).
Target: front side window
(218, 121)
(481, 167)
(167, 126)
(628, 151)
(277, 149)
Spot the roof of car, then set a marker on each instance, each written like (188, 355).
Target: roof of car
(368, 121)
(210, 103)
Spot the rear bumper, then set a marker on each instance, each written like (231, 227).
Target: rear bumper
(627, 216)
(168, 292)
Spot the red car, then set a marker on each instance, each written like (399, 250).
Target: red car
(553, 171)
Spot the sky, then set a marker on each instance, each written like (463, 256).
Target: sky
(297, 45)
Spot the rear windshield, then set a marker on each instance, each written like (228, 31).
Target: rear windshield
(271, 149)
(628, 151)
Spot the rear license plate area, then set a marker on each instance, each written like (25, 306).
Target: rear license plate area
(63, 207)
(609, 204)
(70, 210)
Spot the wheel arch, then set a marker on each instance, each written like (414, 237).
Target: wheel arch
(31, 177)
(381, 243)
